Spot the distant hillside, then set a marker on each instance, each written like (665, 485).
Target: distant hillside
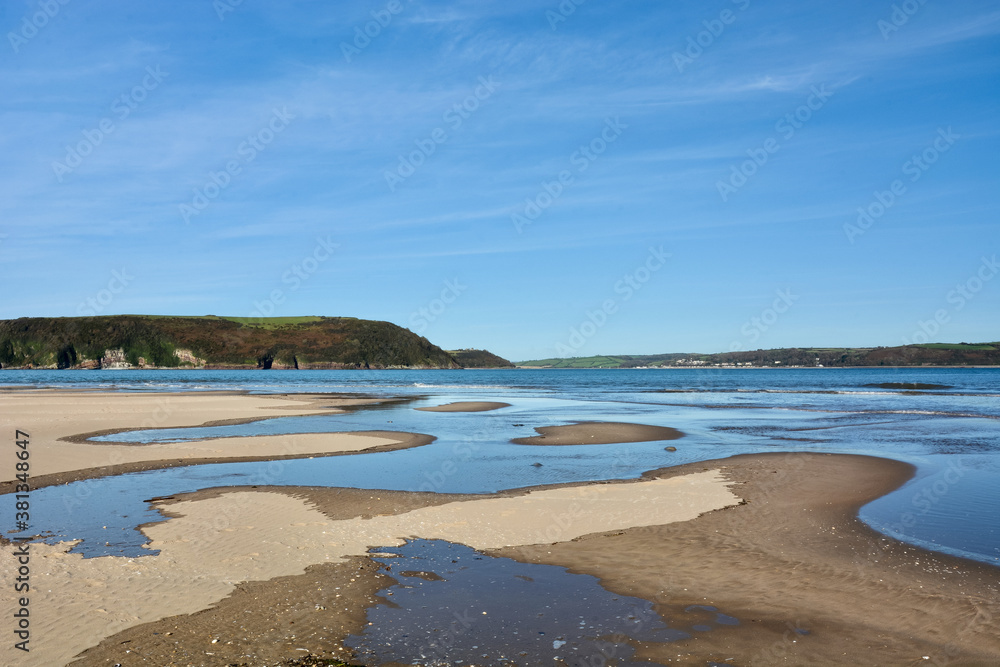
(479, 359)
(617, 361)
(146, 341)
(932, 354)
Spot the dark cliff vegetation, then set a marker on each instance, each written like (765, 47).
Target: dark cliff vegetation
(216, 342)
(479, 359)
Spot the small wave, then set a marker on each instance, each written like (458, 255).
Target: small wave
(465, 386)
(931, 413)
(909, 385)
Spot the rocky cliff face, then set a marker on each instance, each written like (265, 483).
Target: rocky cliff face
(117, 359)
(138, 341)
(114, 360)
(188, 358)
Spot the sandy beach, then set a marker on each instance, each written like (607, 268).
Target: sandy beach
(60, 422)
(267, 575)
(812, 584)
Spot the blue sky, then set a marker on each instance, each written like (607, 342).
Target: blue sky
(413, 174)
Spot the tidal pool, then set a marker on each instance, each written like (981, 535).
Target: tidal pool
(455, 605)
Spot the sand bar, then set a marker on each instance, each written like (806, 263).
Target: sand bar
(598, 433)
(466, 406)
(272, 572)
(214, 543)
(60, 421)
(793, 557)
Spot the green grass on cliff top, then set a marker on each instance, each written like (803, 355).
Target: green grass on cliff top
(258, 322)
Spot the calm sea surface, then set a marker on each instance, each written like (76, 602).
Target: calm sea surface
(949, 432)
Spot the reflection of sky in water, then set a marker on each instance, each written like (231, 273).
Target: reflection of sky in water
(471, 455)
(452, 604)
(521, 381)
(722, 413)
(951, 503)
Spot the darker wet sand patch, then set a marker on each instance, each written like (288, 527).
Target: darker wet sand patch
(466, 406)
(268, 622)
(598, 433)
(808, 581)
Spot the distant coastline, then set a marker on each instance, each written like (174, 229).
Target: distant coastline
(937, 355)
(729, 368)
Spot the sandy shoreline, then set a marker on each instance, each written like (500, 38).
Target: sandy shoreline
(796, 557)
(211, 544)
(60, 422)
(273, 574)
(810, 583)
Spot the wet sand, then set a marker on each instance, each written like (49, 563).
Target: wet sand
(275, 574)
(466, 406)
(598, 433)
(809, 582)
(214, 541)
(795, 558)
(60, 423)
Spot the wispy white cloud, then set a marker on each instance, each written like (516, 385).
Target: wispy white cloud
(324, 174)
